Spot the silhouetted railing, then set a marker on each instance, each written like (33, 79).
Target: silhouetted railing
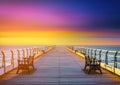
(110, 59)
(9, 58)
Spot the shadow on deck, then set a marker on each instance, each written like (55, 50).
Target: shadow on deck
(59, 67)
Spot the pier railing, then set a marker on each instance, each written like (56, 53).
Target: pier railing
(110, 60)
(9, 58)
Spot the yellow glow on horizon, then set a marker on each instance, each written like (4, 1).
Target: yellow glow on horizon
(53, 38)
(44, 33)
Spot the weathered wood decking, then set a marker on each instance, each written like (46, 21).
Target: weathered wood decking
(59, 67)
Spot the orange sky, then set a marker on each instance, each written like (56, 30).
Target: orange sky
(18, 33)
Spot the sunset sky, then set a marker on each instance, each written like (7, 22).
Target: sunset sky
(81, 22)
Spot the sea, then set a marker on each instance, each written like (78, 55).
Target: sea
(104, 47)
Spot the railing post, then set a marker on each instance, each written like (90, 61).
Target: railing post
(18, 54)
(3, 62)
(91, 53)
(88, 52)
(115, 60)
(27, 52)
(37, 50)
(81, 50)
(100, 54)
(106, 57)
(84, 50)
(33, 51)
(30, 51)
(23, 53)
(95, 53)
(12, 61)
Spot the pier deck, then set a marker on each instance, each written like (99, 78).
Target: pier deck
(59, 67)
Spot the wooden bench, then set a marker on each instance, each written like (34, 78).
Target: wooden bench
(93, 64)
(26, 63)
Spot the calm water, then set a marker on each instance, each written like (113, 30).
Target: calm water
(110, 47)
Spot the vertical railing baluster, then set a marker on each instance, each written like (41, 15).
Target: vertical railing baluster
(37, 50)
(2, 59)
(84, 50)
(88, 51)
(12, 61)
(18, 53)
(4, 62)
(115, 60)
(23, 53)
(85, 53)
(106, 57)
(95, 53)
(30, 51)
(91, 53)
(81, 50)
(100, 55)
(27, 52)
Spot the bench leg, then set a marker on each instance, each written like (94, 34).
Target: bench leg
(99, 68)
(93, 68)
(100, 71)
(89, 71)
(17, 70)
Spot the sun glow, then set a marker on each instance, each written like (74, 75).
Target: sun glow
(37, 37)
(53, 37)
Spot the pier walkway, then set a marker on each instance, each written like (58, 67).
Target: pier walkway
(59, 67)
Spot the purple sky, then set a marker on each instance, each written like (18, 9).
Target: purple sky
(71, 15)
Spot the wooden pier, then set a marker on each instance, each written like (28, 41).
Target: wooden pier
(59, 67)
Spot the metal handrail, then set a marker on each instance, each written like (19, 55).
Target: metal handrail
(105, 56)
(13, 56)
